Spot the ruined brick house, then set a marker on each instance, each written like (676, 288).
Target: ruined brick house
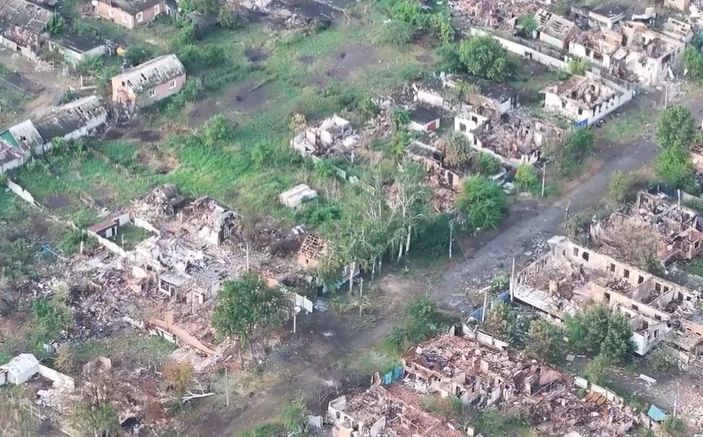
(570, 277)
(332, 136)
(585, 99)
(633, 49)
(555, 30)
(677, 230)
(130, 13)
(149, 82)
(23, 27)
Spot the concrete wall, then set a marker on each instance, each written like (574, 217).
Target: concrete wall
(60, 380)
(21, 192)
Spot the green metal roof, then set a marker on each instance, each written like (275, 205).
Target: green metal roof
(7, 136)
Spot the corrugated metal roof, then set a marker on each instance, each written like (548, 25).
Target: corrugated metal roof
(151, 73)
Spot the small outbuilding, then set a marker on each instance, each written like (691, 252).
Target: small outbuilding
(19, 369)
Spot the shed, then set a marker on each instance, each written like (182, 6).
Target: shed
(656, 414)
(294, 197)
(424, 119)
(20, 369)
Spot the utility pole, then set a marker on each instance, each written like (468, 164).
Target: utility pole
(295, 318)
(485, 304)
(512, 286)
(227, 386)
(451, 237)
(566, 212)
(361, 292)
(544, 177)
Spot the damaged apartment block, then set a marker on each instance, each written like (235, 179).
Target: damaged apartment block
(570, 277)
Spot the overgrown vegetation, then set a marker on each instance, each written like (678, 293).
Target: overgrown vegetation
(601, 331)
(421, 320)
(483, 56)
(483, 203)
(577, 148)
(676, 133)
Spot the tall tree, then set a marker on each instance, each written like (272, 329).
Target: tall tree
(245, 304)
(483, 203)
(484, 56)
(676, 128)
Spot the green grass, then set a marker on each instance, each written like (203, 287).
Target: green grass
(130, 346)
(129, 236)
(629, 125)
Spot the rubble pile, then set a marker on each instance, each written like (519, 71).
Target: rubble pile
(546, 398)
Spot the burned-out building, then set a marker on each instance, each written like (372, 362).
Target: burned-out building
(332, 136)
(23, 27)
(130, 13)
(604, 16)
(483, 375)
(585, 99)
(386, 411)
(571, 277)
(513, 138)
(633, 50)
(675, 231)
(148, 83)
(495, 14)
(555, 29)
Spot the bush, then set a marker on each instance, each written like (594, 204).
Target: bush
(501, 321)
(137, 54)
(596, 371)
(400, 117)
(624, 186)
(693, 62)
(487, 165)
(578, 66)
(484, 56)
(529, 23)
(674, 167)
(448, 55)
(676, 128)
(527, 179)
(578, 146)
(483, 203)
(456, 148)
(398, 33)
(674, 426)
(545, 341)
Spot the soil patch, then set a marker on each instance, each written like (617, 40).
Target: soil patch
(255, 55)
(102, 196)
(23, 83)
(146, 135)
(247, 97)
(57, 201)
(343, 64)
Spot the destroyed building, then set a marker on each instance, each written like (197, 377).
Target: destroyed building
(74, 120)
(484, 376)
(513, 138)
(148, 83)
(23, 27)
(585, 99)
(496, 15)
(570, 277)
(604, 16)
(633, 49)
(386, 411)
(554, 29)
(333, 136)
(676, 229)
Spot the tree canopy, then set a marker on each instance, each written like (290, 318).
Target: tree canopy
(247, 303)
(484, 56)
(676, 128)
(457, 150)
(482, 202)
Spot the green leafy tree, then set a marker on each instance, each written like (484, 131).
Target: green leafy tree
(397, 33)
(408, 11)
(501, 320)
(577, 147)
(457, 150)
(137, 54)
(246, 303)
(527, 179)
(596, 371)
(674, 167)
(545, 341)
(294, 417)
(483, 203)
(55, 25)
(228, 19)
(529, 23)
(676, 128)
(623, 186)
(674, 426)
(98, 420)
(693, 62)
(617, 345)
(487, 165)
(400, 117)
(215, 132)
(578, 66)
(448, 55)
(484, 56)
(441, 26)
